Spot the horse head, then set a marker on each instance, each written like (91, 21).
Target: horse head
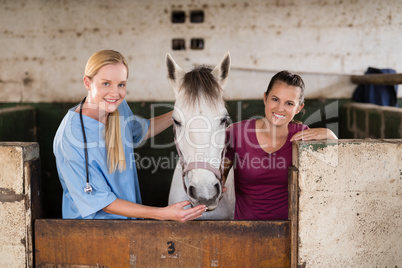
(200, 119)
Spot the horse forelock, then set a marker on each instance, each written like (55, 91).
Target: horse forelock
(200, 83)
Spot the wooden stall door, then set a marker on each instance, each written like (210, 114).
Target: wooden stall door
(143, 243)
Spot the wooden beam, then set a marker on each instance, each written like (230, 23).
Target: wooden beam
(293, 180)
(377, 79)
(143, 243)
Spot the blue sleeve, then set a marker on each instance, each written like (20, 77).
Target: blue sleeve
(139, 129)
(138, 126)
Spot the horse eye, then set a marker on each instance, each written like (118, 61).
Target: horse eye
(177, 123)
(225, 120)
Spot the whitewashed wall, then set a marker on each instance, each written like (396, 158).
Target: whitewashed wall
(350, 203)
(45, 44)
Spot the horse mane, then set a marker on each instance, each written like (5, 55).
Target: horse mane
(200, 82)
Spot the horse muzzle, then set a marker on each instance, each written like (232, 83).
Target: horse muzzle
(204, 189)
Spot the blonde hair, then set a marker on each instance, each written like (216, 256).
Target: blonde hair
(114, 145)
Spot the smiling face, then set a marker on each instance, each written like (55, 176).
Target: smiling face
(107, 89)
(282, 103)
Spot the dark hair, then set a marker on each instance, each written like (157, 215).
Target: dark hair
(200, 81)
(290, 79)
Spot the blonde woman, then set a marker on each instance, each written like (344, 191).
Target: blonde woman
(93, 145)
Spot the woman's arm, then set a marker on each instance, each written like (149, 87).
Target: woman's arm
(173, 212)
(314, 134)
(159, 124)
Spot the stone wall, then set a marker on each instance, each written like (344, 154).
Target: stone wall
(20, 202)
(349, 203)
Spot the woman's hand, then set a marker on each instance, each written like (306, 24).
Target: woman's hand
(314, 134)
(177, 212)
(174, 212)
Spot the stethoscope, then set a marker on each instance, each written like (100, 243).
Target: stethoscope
(88, 188)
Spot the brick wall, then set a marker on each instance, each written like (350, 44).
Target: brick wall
(372, 121)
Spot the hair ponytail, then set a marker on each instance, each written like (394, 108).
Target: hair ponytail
(114, 144)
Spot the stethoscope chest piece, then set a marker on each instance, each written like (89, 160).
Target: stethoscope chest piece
(88, 189)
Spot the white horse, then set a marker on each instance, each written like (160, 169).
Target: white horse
(200, 119)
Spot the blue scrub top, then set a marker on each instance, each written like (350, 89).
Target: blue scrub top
(68, 148)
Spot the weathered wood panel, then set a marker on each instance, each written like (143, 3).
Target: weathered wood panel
(293, 214)
(120, 243)
(377, 79)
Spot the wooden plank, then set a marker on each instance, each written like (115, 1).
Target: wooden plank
(293, 214)
(34, 181)
(377, 79)
(144, 243)
(33, 198)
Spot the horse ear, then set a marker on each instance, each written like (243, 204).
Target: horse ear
(221, 71)
(175, 73)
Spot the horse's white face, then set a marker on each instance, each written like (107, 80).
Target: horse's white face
(200, 135)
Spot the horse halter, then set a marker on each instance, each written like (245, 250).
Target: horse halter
(199, 164)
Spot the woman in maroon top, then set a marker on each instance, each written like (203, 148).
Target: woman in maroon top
(260, 150)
